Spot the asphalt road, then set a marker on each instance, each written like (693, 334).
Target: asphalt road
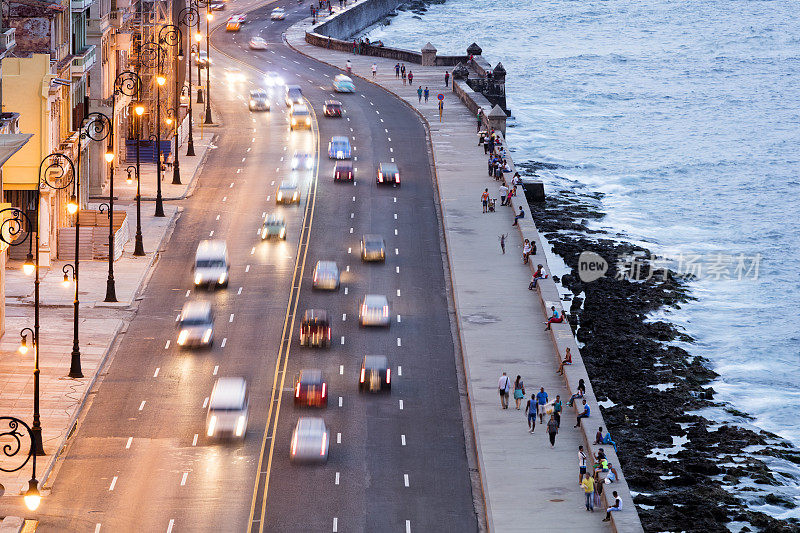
(140, 461)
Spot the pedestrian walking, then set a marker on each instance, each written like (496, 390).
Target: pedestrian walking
(441, 110)
(541, 404)
(374, 70)
(446, 77)
(419, 94)
(490, 164)
(410, 77)
(552, 430)
(503, 190)
(503, 238)
(530, 411)
(403, 74)
(485, 200)
(581, 460)
(588, 491)
(480, 122)
(616, 507)
(397, 70)
(557, 407)
(503, 386)
(427, 93)
(519, 391)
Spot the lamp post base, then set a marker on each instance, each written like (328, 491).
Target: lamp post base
(111, 291)
(159, 206)
(75, 364)
(199, 96)
(176, 173)
(138, 249)
(38, 449)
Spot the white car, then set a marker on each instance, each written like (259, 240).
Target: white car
(272, 79)
(310, 440)
(278, 14)
(257, 43)
(234, 75)
(241, 18)
(326, 276)
(228, 408)
(302, 160)
(374, 311)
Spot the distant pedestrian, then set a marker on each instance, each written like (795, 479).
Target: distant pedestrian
(503, 193)
(541, 404)
(616, 507)
(419, 94)
(552, 430)
(503, 385)
(480, 122)
(581, 463)
(374, 70)
(519, 216)
(485, 200)
(491, 165)
(446, 78)
(519, 390)
(397, 70)
(403, 69)
(526, 251)
(530, 411)
(598, 437)
(427, 93)
(583, 414)
(557, 407)
(410, 77)
(503, 238)
(441, 110)
(588, 491)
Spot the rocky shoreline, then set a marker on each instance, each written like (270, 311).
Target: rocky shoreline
(627, 355)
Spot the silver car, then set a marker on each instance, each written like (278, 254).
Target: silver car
(373, 248)
(287, 193)
(259, 101)
(196, 325)
(228, 408)
(374, 311)
(274, 226)
(211, 264)
(310, 441)
(302, 161)
(326, 276)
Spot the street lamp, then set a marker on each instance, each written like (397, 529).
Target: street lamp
(209, 17)
(13, 437)
(168, 36)
(189, 16)
(66, 270)
(138, 249)
(151, 54)
(198, 37)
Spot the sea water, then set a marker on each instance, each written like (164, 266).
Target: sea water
(686, 115)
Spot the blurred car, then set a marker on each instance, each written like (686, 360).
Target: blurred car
(302, 160)
(287, 193)
(332, 108)
(273, 79)
(299, 117)
(217, 6)
(310, 389)
(315, 328)
(234, 75)
(373, 248)
(310, 440)
(375, 376)
(278, 14)
(232, 26)
(294, 95)
(257, 43)
(228, 408)
(343, 84)
(241, 18)
(374, 311)
(339, 148)
(211, 264)
(259, 101)
(388, 173)
(201, 59)
(196, 325)
(274, 226)
(343, 171)
(326, 276)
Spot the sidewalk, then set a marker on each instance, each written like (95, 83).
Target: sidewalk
(60, 396)
(527, 484)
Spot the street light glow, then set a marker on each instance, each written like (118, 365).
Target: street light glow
(161, 79)
(72, 206)
(23, 345)
(209, 16)
(139, 109)
(198, 36)
(28, 267)
(169, 121)
(65, 283)
(32, 496)
(109, 157)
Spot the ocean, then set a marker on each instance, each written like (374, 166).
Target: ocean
(686, 116)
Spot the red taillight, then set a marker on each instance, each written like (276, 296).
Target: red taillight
(362, 375)
(329, 333)
(388, 375)
(324, 443)
(397, 177)
(385, 310)
(297, 391)
(324, 388)
(350, 175)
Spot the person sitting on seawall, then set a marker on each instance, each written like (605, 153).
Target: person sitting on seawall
(579, 394)
(616, 507)
(607, 440)
(584, 414)
(555, 317)
(567, 361)
(518, 216)
(612, 476)
(539, 274)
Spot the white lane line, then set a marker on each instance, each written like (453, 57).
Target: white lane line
(113, 483)
(252, 250)
(335, 524)
(397, 269)
(141, 405)
(351, 230)
(401, 405)
(224, 341)
(188, 292)
(395, 199)
(344, 317)
(205, 402)
(354, 198)
(340, 401)
(158, 369)
(166, 346)
(238, 171)
(231, 318)
(216, 369)
(391, 149)
(345, 290)
(349, 250)
(408, 526)
(128, 444)
(211, 234)
(243, 159)
(405, 479)
(239, 291)
(402, 440)
(194, 439)
(389, 138)
(337, 478)
(217, 217)
(352, 215)
(384, 129)
(183, 479)
(342, 339)
(247, 268)
(231, 186)
(97, 528)
(398, 319)
(381, 120)
(398, 292)
(171, 525)
(347, 268)
(224, 198)
(395, 231)
(341, 370)
(392, 160)
(338, 438)
(399, 370)
(254, 140)
(248, 149)
(396, 251)
(395, 216)
(398, 341)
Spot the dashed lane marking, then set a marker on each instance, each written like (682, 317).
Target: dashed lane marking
(401, 405)
(166, 346)
(337, 478)
(224, 342)
(338, 438)
(194, 439)
(141, 405)
(183, 478)
(402, 440)
(205, 402)
(128, 444)
(155, 374)
(341, 370)
(343, 340)
(405, 479)
(113, 484)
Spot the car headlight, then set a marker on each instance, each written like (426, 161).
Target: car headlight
(212, 426)
(252, 102)
(294, 122)
(198, 279)
(308, 120)
(295, 162)
(280, 196)
(294, 196)
(264, 233)
(283, 232)
(223, 277)
(339, 154)
(207, 336)
(240, 426)
(182, 336)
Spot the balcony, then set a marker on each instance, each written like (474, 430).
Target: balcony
(82, 61)
(7, 40)
(78, 6)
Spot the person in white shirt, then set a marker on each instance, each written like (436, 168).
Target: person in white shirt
(374, 69)
(503, 194)
(503, 386)
(616, 507)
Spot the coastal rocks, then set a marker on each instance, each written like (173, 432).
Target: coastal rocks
(686, 470)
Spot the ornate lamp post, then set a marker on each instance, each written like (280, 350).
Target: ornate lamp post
(10, 434)
(189, 17)
(152, 56)
(209, 16)
(171, 35)
(139, 248)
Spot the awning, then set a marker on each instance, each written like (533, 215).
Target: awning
(61, 81)
(10, 144)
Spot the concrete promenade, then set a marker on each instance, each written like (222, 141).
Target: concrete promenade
(527, 484)
(100, 323)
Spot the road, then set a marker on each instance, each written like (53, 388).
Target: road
(139, 460)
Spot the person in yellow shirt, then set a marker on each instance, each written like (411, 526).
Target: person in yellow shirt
(588, 491)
